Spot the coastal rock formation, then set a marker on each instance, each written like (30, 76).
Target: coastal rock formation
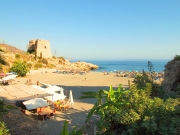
(40, 47)
(77, 66)
(171, 76)
(85, 66)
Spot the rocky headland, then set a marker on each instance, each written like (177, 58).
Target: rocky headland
(11, 54)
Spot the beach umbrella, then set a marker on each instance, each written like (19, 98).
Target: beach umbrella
(35, 103)
(43, 89)
(71, 97)
(53, 88)
(55, 97)
(62, 91)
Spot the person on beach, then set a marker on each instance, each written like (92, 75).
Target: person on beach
(37, 83)
(28, 82)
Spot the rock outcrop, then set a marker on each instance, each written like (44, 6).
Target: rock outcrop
(74, 66)
(171, 76)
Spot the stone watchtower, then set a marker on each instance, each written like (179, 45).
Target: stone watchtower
(40, 47)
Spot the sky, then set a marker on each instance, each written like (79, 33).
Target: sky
(95, 29)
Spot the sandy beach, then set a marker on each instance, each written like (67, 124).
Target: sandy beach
(92, 81)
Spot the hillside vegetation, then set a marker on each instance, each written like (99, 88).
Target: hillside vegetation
(10, 54)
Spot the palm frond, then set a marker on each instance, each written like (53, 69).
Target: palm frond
(65, 131)
(90, 114)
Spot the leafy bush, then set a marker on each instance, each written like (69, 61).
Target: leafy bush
(44, 61)
(62, 58)
(1, 67)
(17, 56)
(73, 132)
(38, 65)
(32, 51)
(39, 61)
(20, 68)
(3, 110)
(3, 129)
(177, 57)
(29, 65)
(2, 50)
(2, 60)
(52, 66)
(134, 112)
(148, 77)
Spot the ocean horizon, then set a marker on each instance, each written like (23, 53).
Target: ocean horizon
(127, 65)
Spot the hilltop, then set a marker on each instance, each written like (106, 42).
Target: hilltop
(10, 54)
(12, 49)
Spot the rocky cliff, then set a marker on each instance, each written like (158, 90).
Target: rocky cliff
(172, 75)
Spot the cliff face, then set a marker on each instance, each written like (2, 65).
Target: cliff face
(171, 76)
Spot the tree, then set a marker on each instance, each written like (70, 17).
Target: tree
(151, 70)
(20, 68)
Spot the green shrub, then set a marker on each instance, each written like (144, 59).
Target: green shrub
(2, 50)
(177, 57)
(134, 112)
(62, 58)
(31, 51)
(3, 110)
(20, 68)
(1, 67)
(17, 56)
(73, 132)
(39, 61)
(148, 77)
(38, 65)
(52, 66)
(44, 61)
(3, 129)
(29, 65)
(2, 60)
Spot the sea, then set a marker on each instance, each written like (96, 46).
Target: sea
(127, 65)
